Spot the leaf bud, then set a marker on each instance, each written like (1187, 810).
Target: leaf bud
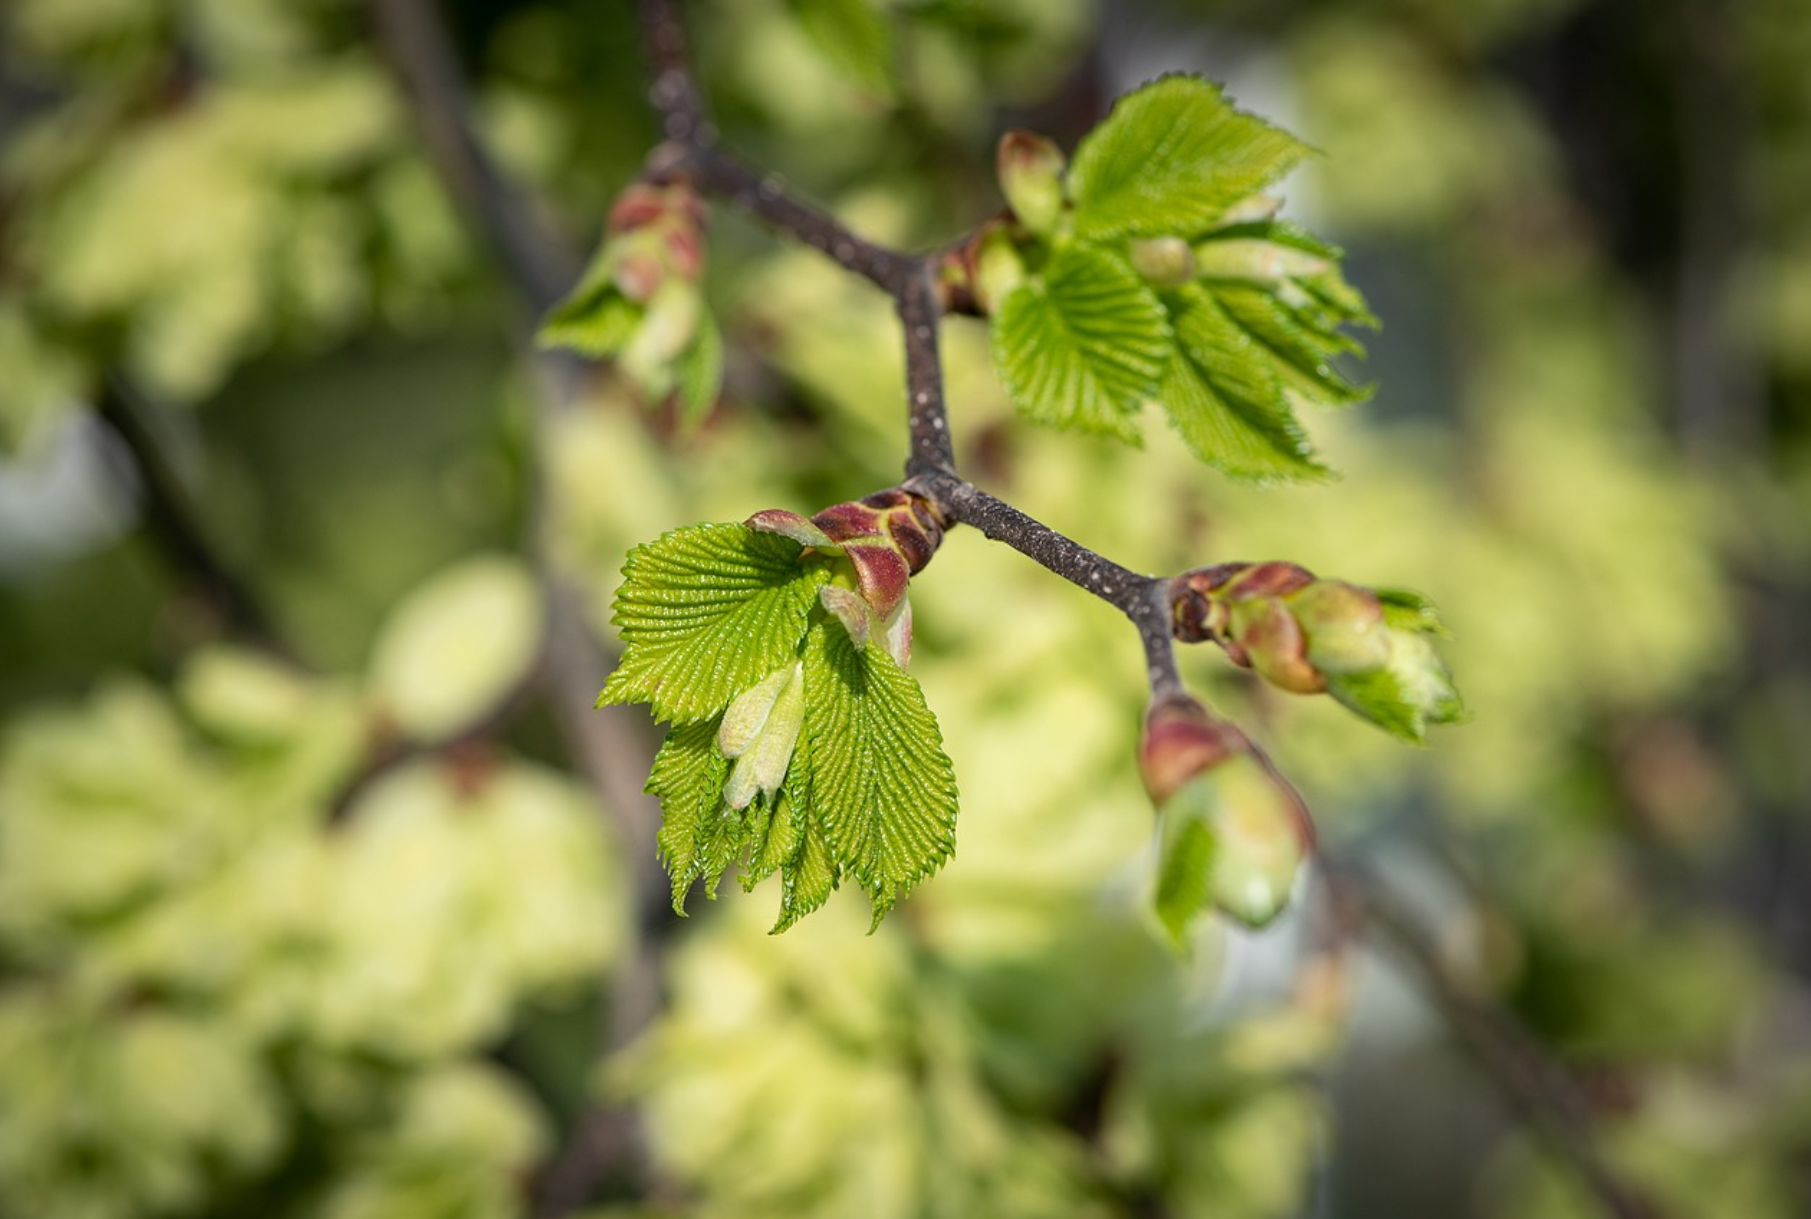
(998, 268)
(1031, 178)
(760, 729)
(1250, 258)
(1232, 832)
(1164, 262)
(1369, 649)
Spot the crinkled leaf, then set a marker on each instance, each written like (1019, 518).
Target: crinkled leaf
(1170, 158)
(881, 785)
(775, 841)
(855, 36)
(707, 612)
(809, 873)
(699, 835)
(1083, 345)
(1223, 395)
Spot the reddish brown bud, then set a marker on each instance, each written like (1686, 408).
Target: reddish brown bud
(1181, 740)
(640, 204)
(1272, 579)
(1271, 641)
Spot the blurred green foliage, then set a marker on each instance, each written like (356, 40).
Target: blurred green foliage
(327, 933)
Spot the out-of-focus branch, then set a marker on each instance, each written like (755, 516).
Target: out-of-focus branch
(172, 521)
(1537, 1088)
(611, 747)
(425, 66)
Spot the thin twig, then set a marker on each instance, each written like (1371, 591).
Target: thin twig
(173, 522)
(1536, 1087)
(611, 747)
(425, 66)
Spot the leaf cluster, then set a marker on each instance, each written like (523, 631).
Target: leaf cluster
(1153, 270)
(709, 614)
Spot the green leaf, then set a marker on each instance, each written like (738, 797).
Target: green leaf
(698, 835)
(456, 646)
(1171, 158)
(1407, 610)
(707, 612)
(698, 374)
(809, 874)
(1413, 690)
(1083, 345)
(776, 841)
(1185, 868)
(854, 35)
(594, 319)
(1224, 396)
(882, 787)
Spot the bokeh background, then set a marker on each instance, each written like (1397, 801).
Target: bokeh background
(323, 893)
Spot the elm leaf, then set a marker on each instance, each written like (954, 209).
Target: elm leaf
(706, 612)
(883, 789)
(1084, 344)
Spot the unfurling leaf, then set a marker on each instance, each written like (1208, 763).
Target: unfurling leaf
(800, 744)
(706, 612)
(640, 301)
(1232, 833)
(882, 786)
(1084, 345)
(1172, 157)
(1371, 650)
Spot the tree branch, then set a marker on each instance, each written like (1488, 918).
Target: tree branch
(174, 524)
(424, 64)
(1537, 1088)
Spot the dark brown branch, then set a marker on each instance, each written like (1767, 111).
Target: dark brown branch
(172, 521)
(927, 414)
(1536, 1087)
(1143, 599)
(674, 92)
(692, 153)
(764, 197)
(424, 64)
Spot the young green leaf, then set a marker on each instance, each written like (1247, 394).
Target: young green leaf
(808, 872)
(1171, 158)
(1083, 345)
(1412, 690)
(882, 786)
(707, 612)
(1224, 396)
(698, 373)
(698, 835)
(595, 321)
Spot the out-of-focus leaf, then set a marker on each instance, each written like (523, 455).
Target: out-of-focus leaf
(856, 36)
(455, 647)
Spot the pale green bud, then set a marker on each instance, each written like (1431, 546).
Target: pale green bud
(1250, 258)
(760, 729)
(1163, 262)
(1031, 178)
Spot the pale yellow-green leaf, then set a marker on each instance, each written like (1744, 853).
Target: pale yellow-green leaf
(454, 649)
